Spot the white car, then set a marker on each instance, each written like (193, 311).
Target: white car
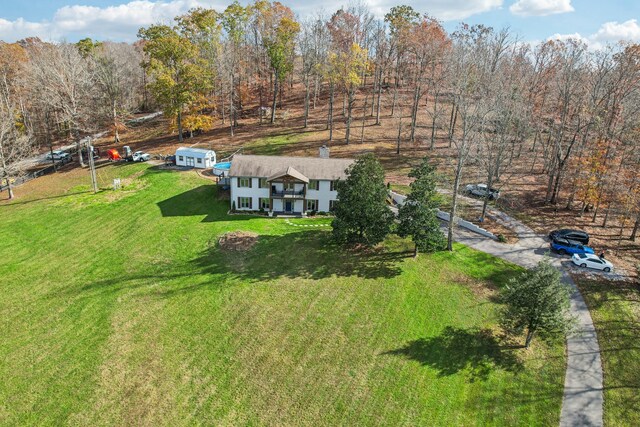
(57, 155)
(140, 156)
(592, 261)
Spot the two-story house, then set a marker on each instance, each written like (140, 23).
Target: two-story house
(285, 185)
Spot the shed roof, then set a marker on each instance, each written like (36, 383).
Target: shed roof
(193, 150)
(309, 167)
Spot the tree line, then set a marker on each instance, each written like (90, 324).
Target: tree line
(50, 92)
(572, 112)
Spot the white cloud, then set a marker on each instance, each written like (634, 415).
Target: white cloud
(122, 22)
(564, 37)
(445, 10)
(113, 22)
(613, 32)
(540, 7)
(451, 10)
(19, 29)
(609, 32)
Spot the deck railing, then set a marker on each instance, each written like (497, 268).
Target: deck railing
(288, 193)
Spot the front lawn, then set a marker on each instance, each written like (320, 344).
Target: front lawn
(120, 308)
(615, 309)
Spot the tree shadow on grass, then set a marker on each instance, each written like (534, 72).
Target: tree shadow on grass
(202, 200)
(24, 202)
(306, 254)
(477, 352)
(599, 293)
(480, 266)
(298, 255)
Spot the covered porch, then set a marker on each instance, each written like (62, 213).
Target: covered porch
(287, 192)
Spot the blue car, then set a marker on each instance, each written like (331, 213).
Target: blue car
(565, 246)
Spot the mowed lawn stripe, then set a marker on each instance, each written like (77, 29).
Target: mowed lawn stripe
(124, 310)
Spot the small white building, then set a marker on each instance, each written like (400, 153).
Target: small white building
(195, 157)
(286, 185)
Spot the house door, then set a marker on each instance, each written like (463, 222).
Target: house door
(190, 161)
(288, 206)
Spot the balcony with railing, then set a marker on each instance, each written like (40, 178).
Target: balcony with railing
(288, 194)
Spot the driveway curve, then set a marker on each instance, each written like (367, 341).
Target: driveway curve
(582, 404)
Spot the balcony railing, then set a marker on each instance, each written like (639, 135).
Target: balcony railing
(288, 194)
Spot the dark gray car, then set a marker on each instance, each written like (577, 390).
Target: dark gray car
(569, 234)
(481, 191)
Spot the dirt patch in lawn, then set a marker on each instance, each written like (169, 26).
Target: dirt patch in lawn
(237, 241)
(480, 288)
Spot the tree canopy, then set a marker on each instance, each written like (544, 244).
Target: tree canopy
(178, 73)
(537, 302)
(361, 213)
(417, 216)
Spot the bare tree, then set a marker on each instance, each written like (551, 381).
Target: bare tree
(382, 61)
(15, 147)
(505, 129)
(569, 123)
(426, 43)
(313, 43)
(61, 75)
(117, 72)
(474, 63)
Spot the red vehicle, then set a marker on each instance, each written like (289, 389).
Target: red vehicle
(113, 155)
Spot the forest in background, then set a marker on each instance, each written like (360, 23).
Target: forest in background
(566, 109)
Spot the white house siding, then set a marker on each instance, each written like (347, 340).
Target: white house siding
(254, 192)
(323, 194)
(279, 205)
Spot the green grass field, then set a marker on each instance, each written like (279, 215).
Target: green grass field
(120, 308)
(615, 309)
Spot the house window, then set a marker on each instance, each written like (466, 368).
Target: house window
(314, 184)
(199, 160)
(332, 205)
(181, 158)
(312, 205)
(333, 186)
(289, 186)
(244, 202)
(262, 183)
(244, 182)
(265, 203)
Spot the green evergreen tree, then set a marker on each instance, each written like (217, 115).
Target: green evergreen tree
(361, 213)
(537, 302)
(417, 216)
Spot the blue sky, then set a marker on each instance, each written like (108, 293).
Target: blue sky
(596, 21)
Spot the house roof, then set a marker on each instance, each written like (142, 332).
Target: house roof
(289, 172)
(192, 150)
(309, 167)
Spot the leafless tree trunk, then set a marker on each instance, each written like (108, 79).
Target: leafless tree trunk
(330, 118)
(364, 117)
(351, 99)
(275, 98)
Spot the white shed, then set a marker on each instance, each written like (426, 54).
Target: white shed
(195, 157)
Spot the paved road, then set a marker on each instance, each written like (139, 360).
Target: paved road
(583, 384)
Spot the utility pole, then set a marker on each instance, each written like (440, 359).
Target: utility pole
(92, 166)
(49, 141)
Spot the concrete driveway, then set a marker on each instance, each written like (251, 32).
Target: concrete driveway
(583, 385)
